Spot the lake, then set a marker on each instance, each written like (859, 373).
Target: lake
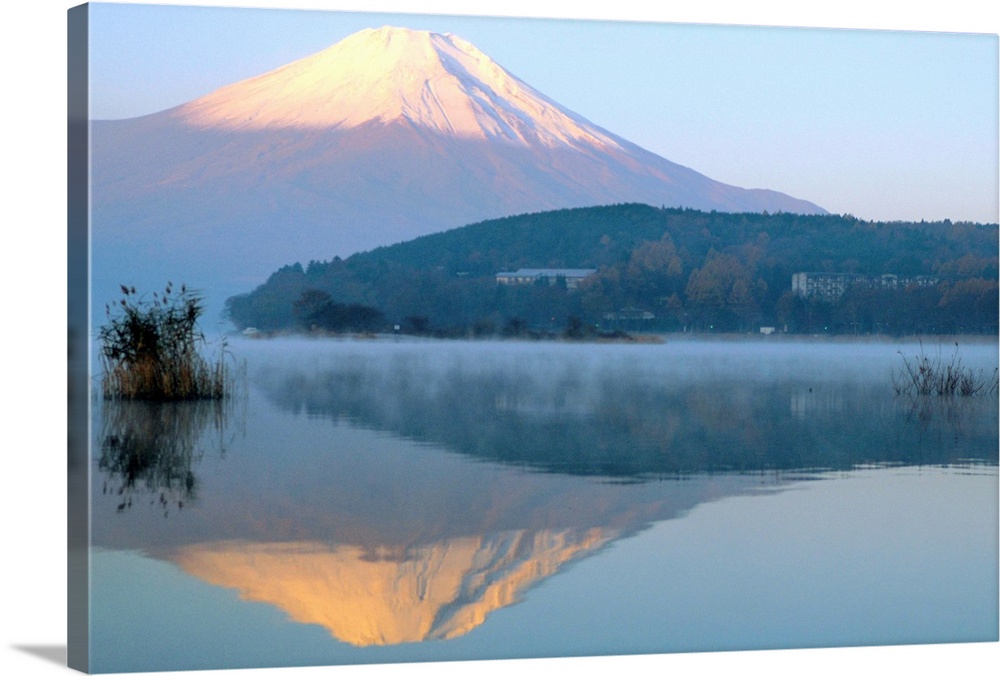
(388, 500)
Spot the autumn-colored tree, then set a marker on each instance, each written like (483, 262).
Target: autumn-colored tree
(653, 270)
(723, 292)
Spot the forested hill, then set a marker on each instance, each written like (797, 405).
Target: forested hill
(689, 269)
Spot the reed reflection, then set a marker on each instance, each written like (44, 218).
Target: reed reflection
(149, 450)
(950, 420)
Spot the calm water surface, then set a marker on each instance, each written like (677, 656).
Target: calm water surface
(382, 501)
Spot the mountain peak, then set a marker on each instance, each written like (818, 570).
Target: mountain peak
(385, 136)
(438, 82)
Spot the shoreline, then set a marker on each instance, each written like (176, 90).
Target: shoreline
(641, 338)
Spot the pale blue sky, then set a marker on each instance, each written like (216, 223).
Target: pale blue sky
(882, 124)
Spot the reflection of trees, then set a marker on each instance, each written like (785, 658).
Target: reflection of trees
(619, 423)
(151, 447)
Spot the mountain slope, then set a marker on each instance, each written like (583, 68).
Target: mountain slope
(387, 135)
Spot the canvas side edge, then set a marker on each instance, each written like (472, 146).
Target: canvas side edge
(78, 340)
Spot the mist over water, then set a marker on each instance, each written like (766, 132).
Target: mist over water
(676, 359)
(681, 406)
(394, 499)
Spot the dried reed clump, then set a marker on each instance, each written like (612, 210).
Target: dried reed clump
(150, 349)
(927, 376)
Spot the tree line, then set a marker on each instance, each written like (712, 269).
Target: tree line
(685, 270)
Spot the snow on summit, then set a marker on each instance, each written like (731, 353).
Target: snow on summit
(388, 135)
(432, 81)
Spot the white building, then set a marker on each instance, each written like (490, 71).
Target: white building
(572, 276)
(832, 285)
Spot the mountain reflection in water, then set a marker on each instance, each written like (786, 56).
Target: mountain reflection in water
(431, 591)
(383, 541)
(397, 497)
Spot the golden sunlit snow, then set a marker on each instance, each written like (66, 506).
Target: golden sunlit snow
(435, 591)
(438, 82)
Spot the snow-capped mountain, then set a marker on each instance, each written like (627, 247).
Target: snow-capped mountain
(385, 136)
(439, 83)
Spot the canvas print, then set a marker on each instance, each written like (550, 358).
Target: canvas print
(399, 338)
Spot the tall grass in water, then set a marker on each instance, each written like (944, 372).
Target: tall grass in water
(935, 376)
(150, 349)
